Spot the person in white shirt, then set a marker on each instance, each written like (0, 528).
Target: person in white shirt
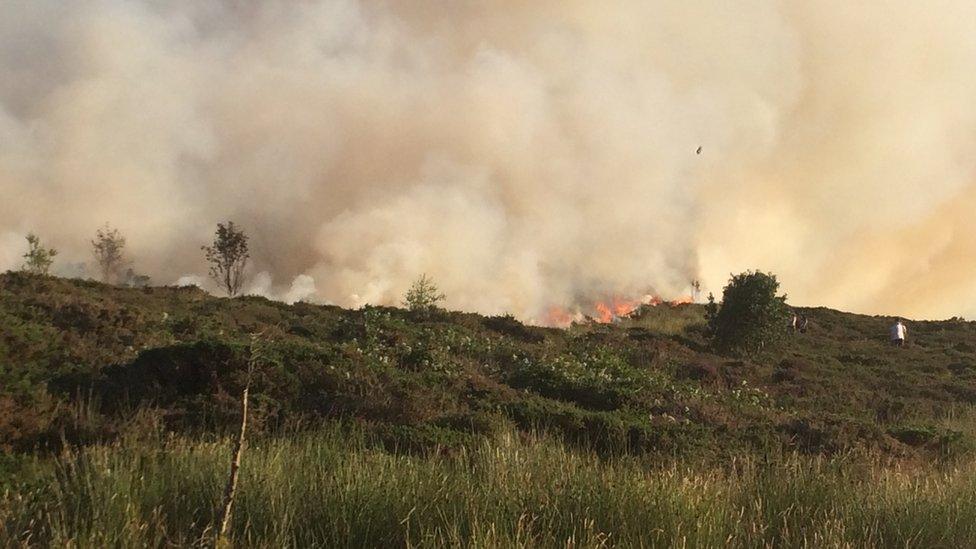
(898, 333)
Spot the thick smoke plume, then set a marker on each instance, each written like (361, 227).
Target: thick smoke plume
(523, 154)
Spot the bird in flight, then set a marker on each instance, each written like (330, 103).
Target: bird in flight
(698, 151)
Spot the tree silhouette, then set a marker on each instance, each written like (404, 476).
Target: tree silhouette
(228, 257)
(107, 249)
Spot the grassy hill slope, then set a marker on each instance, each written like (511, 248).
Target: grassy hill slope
(83, 362)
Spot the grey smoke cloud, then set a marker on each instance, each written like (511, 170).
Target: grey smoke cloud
(524, 154)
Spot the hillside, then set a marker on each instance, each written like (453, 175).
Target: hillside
(82, 362)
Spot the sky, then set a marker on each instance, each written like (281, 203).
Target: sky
(525, 155)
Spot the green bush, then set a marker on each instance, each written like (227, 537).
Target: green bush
(594, 378)
(752, 319)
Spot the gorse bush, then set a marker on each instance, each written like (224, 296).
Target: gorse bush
(752, 318)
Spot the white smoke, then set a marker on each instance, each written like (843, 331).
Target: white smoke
(522, 154)
(194, 280)
(302, 288)
(12, 248)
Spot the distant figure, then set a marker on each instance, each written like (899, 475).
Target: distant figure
(794, 322)
(803, 324)
(898, 333)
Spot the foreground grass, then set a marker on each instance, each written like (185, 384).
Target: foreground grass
(334, 489)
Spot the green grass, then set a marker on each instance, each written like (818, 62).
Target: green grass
(335, 489)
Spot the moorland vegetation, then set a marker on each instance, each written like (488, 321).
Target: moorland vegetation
(399, 427)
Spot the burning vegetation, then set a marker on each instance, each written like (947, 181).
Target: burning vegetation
(607, 310)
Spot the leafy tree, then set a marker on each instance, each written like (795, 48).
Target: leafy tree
(423, 296)
(108, 249)
(39, 258)
(228, 257)
(752, 318)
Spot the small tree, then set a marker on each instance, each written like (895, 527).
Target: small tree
(228, 257)
(423, 296)
(752, 318)
(39, 258)
(108, 249)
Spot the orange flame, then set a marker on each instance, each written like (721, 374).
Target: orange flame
(615, 308)
(605, 311)
(652, 300)
(559, 317)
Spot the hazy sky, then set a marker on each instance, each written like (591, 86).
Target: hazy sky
(524, 154)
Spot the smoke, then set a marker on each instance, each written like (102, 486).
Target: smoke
(522, 154)
(10, 244)
(302, 287)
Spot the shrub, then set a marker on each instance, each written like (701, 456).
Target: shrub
(596, 379)
(752, 318)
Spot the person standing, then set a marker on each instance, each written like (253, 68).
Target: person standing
(899, 332)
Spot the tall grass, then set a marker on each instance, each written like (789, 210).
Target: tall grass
(334, 489)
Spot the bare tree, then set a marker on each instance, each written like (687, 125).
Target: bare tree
(107, 249)
(228, 257)
(39, 258)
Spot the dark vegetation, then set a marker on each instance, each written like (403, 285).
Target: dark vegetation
(752, 319)
(83, 362)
